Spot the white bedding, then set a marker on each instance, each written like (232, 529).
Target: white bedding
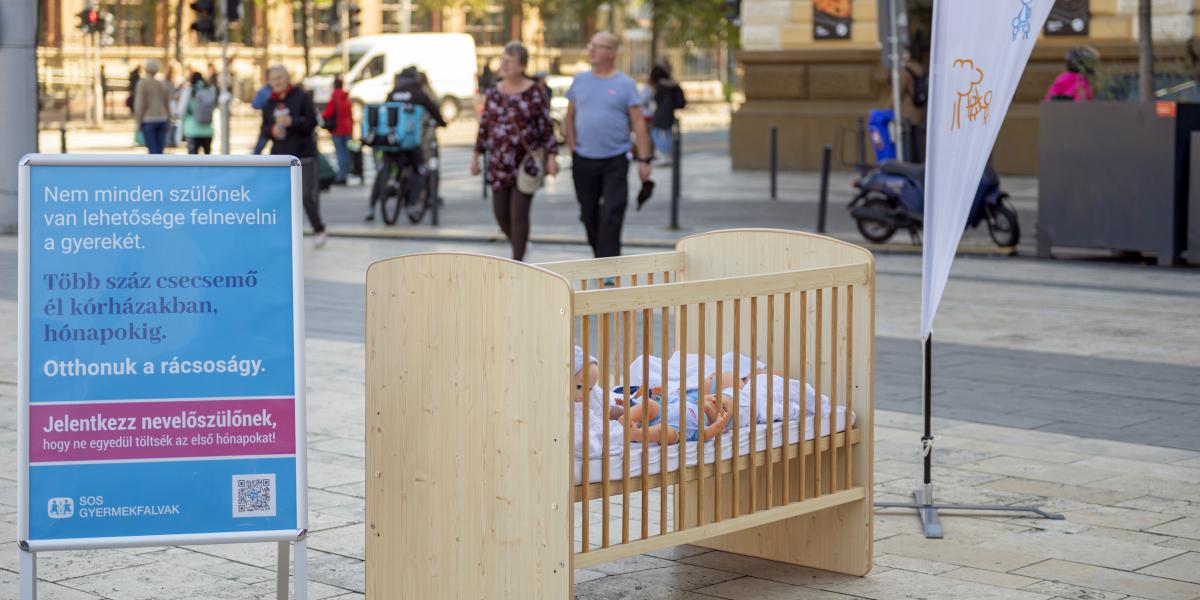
(595, 434)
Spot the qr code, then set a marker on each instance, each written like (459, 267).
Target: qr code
(254, 495)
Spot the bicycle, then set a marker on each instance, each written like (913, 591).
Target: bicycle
(394, 189)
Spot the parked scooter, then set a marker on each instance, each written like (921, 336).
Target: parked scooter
(892, 197)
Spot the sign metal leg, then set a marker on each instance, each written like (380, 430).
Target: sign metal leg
(300, 568)
(28, 569)
(282, 565)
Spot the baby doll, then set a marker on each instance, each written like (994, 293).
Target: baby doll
(717, 408)
(586, 376)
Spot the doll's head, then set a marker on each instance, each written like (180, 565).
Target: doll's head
(587, 375)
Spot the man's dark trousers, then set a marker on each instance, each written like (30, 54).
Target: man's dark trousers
(602, 187)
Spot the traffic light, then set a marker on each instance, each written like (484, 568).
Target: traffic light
(204, 21)
(90, 20)
(355, 21)
(733, 11)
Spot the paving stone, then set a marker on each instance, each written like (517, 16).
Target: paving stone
(750, 588)
(346, 541)
(905, 585)
(1148, 485)
(929, 567)
(316, 590)
(1091, 547)
(336, 570)
(682, 577)
(45, 590)
(950, 551)
(1144, 467)
(1073, 592)
(59, 566)
(1127, 450)
(990, 577)
(678, 552)
(1185, 567)
(764, 569)
(585, 575)
(1119, 518)
(619, 588)
(1169, 506)
(155, 581)
(1030, 469)
(630, 564)
(1049, 489)
(1187, 527)
(1112, 580)
(1181, 544)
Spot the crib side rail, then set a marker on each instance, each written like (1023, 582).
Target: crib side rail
(811, 325)
(617, 266)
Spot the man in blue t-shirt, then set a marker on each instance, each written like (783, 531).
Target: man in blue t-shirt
(604, 106)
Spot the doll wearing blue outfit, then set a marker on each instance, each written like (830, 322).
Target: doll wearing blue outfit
(712, 412)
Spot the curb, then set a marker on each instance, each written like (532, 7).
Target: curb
(443, 234)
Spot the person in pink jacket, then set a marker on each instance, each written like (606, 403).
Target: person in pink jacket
(1073, 84)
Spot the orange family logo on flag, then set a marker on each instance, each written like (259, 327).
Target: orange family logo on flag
(970, 99)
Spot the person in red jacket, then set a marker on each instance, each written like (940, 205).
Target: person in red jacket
(337, 111)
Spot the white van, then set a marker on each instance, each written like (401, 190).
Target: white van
(448, 59)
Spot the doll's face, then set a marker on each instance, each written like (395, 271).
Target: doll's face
(725, 380)
(585, 380)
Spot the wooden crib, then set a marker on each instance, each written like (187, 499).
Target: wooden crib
(473, 490)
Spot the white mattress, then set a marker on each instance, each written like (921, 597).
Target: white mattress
(616, 458)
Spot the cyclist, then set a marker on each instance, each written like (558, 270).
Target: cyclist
(411, 87)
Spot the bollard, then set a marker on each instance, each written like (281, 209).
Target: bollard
(823, 204)
(774, 160)
(862, 146)
(435, 180)
(62, 126)
(483, 175)
(676, 168)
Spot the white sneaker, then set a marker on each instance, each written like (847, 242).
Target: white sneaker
(319, 239)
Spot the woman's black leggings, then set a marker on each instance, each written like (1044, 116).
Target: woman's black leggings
(512, 213)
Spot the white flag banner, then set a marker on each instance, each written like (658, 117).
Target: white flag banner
(979, 51)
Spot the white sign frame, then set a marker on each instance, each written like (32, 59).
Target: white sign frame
(29, 549)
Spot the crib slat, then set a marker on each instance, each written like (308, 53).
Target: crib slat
(700, 371)
(662, 439)
(625, 339)
(585, 474)
(680, 491)
(818, 376)
(605, 387)
(834, 344)
(717, 446)
(646, 419)
(770, 397)
(737, 401)
(753, 399)
(787, 392)
(849, 380)
(803, 416)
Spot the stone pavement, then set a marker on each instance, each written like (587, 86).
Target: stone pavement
(1044, 370)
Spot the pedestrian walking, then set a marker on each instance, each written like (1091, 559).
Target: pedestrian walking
(290, 120)
(198, 101)
(516, 131)
(603, 106)
(261, 97)
(914, 97)
(340, 122)
(134, 76)
(668, 98)
(152, 109)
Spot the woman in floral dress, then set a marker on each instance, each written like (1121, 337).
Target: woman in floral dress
(514, 124)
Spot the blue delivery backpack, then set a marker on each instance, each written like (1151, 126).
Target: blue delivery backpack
(393, 126)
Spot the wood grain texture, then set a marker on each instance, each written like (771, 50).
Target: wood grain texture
(468, 381)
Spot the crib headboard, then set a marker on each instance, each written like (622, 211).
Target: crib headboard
(467, 379)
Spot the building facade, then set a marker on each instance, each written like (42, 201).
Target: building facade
(814, 81)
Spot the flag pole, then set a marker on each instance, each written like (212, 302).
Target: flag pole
(923, 501)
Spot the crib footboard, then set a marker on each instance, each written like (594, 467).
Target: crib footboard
(467, 414)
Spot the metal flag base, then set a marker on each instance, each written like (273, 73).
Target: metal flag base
(931, 524)
(923, 496)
